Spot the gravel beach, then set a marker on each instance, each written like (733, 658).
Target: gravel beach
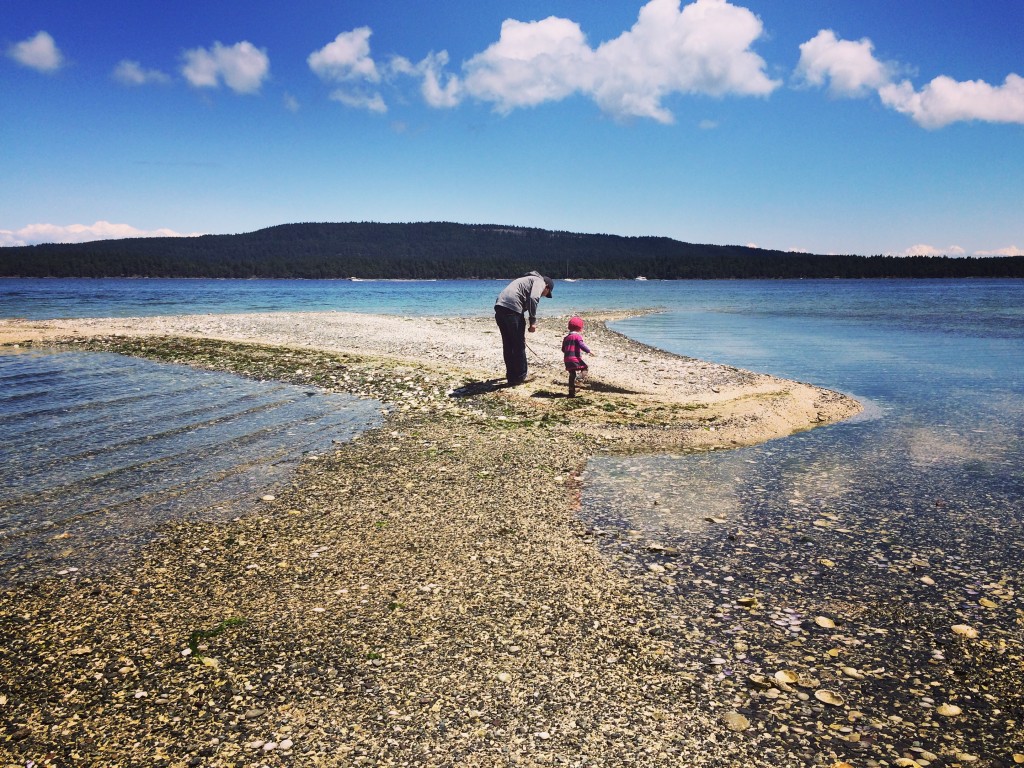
(424, 595)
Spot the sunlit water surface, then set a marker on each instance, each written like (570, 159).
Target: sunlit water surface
(98, 448)
(896, 526)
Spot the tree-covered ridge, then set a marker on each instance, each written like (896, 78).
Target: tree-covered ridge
(452, 251)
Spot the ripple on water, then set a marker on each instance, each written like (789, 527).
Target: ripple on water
(98, 449)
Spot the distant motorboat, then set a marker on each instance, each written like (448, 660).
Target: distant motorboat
(639, 277)
(356, 280)
(568, 279)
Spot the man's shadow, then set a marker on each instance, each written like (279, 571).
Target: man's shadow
(473, 388)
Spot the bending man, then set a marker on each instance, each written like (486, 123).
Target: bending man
(519, 297)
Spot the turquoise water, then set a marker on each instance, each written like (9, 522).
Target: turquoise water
(988, 307)
(896, 526)
(52, 298)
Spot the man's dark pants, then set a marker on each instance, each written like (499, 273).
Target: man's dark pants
(513, 342)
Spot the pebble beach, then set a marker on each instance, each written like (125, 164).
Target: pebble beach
(426, 594)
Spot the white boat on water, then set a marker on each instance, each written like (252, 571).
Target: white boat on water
(568, 279)
(640, 277)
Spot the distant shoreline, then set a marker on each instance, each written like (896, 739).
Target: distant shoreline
(445, 250)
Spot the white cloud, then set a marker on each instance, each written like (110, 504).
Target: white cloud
(923, 249)
(1010, 250)
(345, 59)
(346, 62)
(531, 63)
(291, 103)
(702, 48)
(850, 68)
(372, 102)
(944, 101)
(80, 233)
(438, 89)
(243, 67)
(39, 53)
(132, 73)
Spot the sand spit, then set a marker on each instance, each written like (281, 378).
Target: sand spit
(422, 596)
(637, 395)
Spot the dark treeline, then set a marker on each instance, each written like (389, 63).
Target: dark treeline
(452, 251)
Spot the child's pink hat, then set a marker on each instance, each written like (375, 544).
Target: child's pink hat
(575, 323)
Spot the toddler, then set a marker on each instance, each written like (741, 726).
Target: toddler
(572, 348)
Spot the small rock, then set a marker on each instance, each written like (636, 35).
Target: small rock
(965, 630)
(734, 721)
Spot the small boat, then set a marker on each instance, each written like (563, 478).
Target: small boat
(639, 277)
(568, 279)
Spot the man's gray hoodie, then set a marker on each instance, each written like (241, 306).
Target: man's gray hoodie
(522, 294)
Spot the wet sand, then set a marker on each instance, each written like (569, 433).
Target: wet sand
(425, 595)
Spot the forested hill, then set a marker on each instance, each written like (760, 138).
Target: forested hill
(442, 250)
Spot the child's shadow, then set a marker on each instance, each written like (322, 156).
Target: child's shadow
(588, 385)
(549, 394)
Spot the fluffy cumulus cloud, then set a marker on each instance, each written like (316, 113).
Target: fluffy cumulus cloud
(851, 69)
(39, 52)
(346, 63)
(80, 233)
(945, 100)
(532, 62)
(132, 73)
(702, 48)
(346, 58)
(242, 67)
(439, 89)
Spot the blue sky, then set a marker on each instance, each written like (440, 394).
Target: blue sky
(829, 126)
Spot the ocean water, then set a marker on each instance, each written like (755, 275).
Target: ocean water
(939, 367)
(52, 298)
(850, 553)
(98, 449)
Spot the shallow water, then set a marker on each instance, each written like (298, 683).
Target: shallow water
(896, 526)
(98, 449)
